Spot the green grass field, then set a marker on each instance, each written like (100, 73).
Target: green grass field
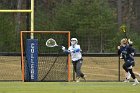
(68, 87)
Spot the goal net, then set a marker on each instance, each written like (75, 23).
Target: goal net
(42, 63)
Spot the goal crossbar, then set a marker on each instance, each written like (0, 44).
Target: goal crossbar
(16, 11)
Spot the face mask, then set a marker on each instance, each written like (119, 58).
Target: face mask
(73, 42)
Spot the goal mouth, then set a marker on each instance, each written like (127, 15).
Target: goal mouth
(41, 60)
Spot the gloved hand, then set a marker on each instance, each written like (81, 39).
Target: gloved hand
(63, 48)
(118, 47)
(132, 54)
(130, 42)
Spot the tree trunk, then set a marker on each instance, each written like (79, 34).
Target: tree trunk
(119, 6)
(17, 19)
(137, 14)
(130, 14)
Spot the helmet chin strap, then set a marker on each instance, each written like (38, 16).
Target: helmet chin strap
(73, 45)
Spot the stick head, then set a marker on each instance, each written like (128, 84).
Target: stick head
(123, 28)
(51, 43)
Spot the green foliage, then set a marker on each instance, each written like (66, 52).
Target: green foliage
(132, 35)
(8, 37)
(93, 18)
(93, 22)
(135, 39)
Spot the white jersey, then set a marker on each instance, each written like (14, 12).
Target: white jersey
(75, 55)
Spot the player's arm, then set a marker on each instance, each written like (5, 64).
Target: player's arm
(132, 51)
(65, 50)
(119, 50)
(77, 49)
(71, 50)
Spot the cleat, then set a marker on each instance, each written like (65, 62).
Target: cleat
(135, 83)
(84, 77)
(78, 79)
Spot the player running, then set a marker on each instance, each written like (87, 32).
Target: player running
(127, 53)
(128, 75)
(76, 57)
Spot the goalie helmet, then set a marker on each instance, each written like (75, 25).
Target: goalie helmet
(74, 41)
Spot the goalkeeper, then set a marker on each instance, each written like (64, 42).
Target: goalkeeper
(127, 53)
(76, 57)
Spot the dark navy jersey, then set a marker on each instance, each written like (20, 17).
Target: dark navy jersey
(127, 53)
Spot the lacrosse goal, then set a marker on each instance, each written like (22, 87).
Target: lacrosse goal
(42, 63)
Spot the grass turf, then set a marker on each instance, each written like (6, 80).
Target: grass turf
(68, 87)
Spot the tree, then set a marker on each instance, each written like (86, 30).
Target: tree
(88, 20)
